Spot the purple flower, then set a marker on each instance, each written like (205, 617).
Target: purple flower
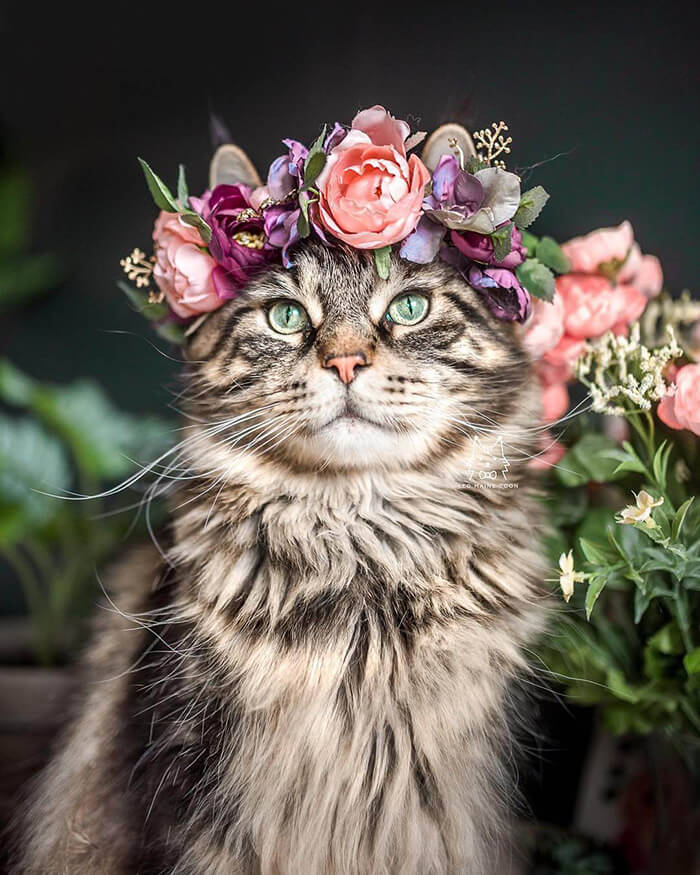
(281, 228)
(456, 195)
(479, 247)
(506, 298)
(285, 177)
(286, 173)
(336, 136)
(237, 240)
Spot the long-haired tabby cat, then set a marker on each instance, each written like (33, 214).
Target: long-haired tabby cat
(315, 677)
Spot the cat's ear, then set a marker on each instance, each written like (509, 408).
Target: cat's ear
(447, 140)
(229, 165)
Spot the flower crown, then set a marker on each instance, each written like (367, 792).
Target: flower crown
(357, 187)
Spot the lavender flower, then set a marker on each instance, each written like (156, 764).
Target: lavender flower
(505, 297)
(461, 201)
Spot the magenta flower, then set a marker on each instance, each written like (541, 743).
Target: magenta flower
(506, 298)
(479, 247)
(237, 243)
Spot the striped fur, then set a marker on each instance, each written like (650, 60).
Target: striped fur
(316, 678)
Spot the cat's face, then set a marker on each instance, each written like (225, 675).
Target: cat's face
(328, 366)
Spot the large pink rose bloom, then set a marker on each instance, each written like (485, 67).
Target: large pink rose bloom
(643, 272)
(613, 252)
(182, 271)
(545, 327)
(603, 246)
(682, 410)
(371, 194)
(593, 305)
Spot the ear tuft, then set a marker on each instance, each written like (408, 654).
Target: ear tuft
(438, 144)
(230, 165)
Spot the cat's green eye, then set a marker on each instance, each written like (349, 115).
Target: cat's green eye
(287, 317)
(408, 309)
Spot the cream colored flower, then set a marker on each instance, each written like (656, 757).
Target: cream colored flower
(641, 512)
(568, 576)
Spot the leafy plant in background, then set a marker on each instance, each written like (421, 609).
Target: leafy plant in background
(68, 440)
(626, 532)
(22, 275)
(57, 440)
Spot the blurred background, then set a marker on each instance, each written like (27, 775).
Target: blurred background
(599, 99)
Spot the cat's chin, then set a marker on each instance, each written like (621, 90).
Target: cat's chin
(356, 442)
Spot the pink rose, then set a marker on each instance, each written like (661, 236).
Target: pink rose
(643, 272)
(550, 372)
(550, 452)
(593, 305)
(682, 410)
(561, 358)
(545, 328)
(371, 194)
(555, 401)
(182, 271)
(603, 246)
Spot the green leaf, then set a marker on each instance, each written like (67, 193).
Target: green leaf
(303, 226)
(551, 254)
(537, 279)
(531, 204)
(628, 462)
(596, 585)
(618, 685)
(530, 243)
(691, 661)
(31, 462)
(101, 438)
(667, 640)
(679, 518)
(589, 460)
(597, 554)
(682, 610)
(14, 201)
(139, 298)
(304, 204)
(660, 463)
(642, 600)
(501, 240)
(15, 387)
(172, 332)
(382, 258)
(189, 217)
(474, 164)
(315, 160)
(160, 192)
(183, 194)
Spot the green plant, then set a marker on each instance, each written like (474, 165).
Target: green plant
(60, 441)
(69, 441)
(629, 514)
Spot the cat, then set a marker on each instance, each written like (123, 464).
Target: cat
(315, 673)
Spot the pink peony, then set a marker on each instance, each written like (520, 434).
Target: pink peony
(608, 246)
(555, 401)
(550, 452)
(371, 194)
(643, 272)
(593, 305)
(682, 410)
(545, 328)
(563, 355)
(182, 270)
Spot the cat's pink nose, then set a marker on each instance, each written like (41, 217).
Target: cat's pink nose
(345, 365)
